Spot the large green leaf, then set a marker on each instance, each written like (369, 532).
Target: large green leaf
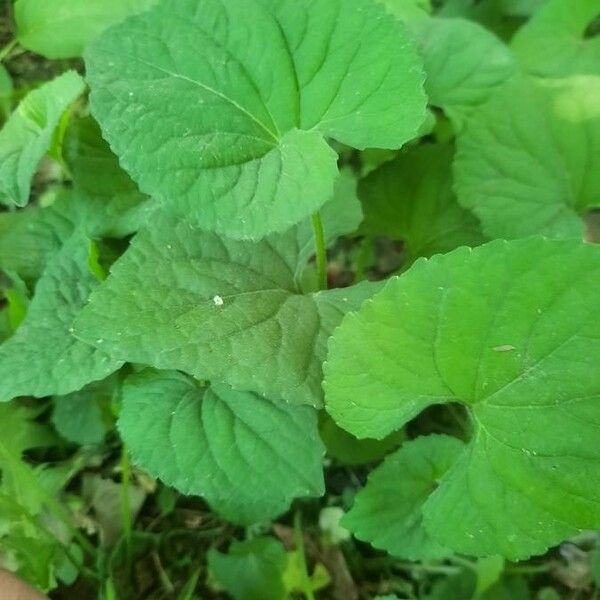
(553, 42)
(63, 28)
(388, 512)
(105, 200)
(226, 122)
(185, 299)
(529, 161)
(510, 330)
(411, 199)
(251, 570)
(463, 62)
(27, 135)
(43, 358)
(249, 457)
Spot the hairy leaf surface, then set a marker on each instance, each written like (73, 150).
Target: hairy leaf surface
(225, 119)
(43, 358)
(216, 308)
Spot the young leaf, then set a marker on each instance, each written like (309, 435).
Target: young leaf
(63, 28)
(105, 200)
(247, 456)
(184, 299)
(79, 417)
(463, 62)
(351, 451)
(251, 570)
(508, 329)
(227, 123)
(411, 199)
(552, 43)
(388, 512)
(43, 358)
(27, 135)
(529, 161)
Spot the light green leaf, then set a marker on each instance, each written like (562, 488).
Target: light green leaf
(411, 199)
(351, 451)
(227, 124)
(463, 62)
(80, 417)
(219, 309)
(251, 570)
(63, 28)
(249, 457)
(553, 42)
(529, 161)
(43, 358)
(509, 330)
(105, 200)
(27, 135)
(408, 10)
(387, 513)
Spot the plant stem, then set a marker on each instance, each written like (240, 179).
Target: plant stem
(299, 542)
(4, 53)
(321, 252)
(126, 506)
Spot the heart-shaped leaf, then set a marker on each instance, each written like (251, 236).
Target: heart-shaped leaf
(225, 119)
(529, 162)
(510, 330)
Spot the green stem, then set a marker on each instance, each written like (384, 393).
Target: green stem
(321, 251)
(4, 53)
(299, 542)
(126, 506)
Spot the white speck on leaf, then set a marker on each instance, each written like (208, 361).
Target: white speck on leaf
(504, 348)
(218, 301)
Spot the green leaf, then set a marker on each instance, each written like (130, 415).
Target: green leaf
(27, 135)
(6, 92)
(251, 570)
(29, 238)
(553, 42)
(387, 513)
(408, 10)
(105, 200)
(463, 62)
(63, 28)
(351, 451)
(80, 417)
(43, 358)
(509, 330)
(529, 161)
(411, 199)
(229, 128)
(219, 309)
(249, 457)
